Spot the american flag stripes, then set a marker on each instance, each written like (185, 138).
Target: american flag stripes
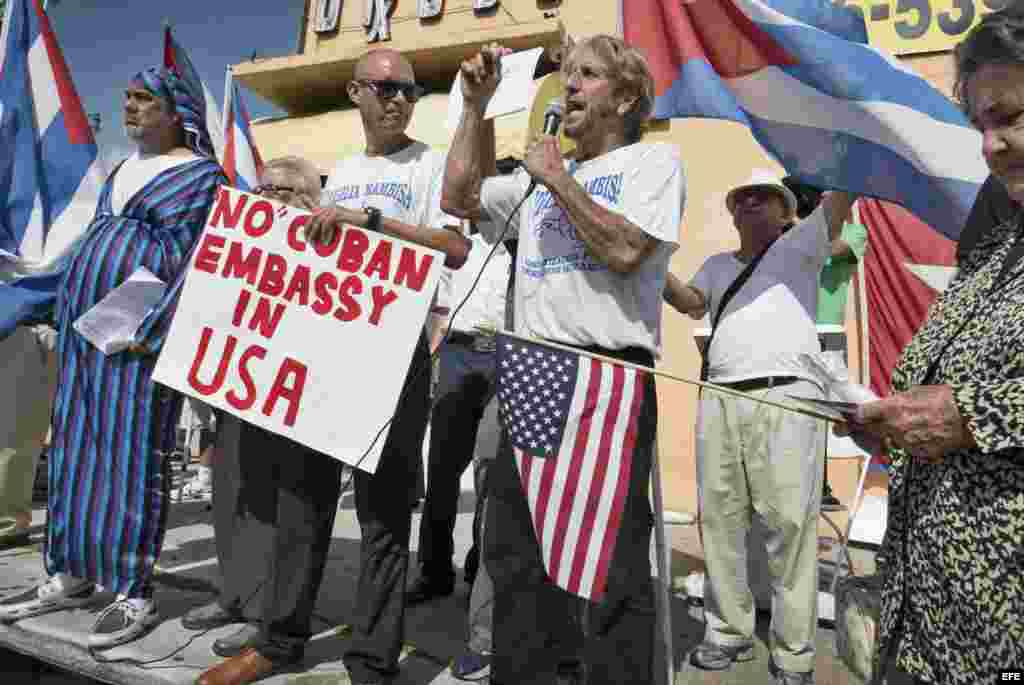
(572, 420)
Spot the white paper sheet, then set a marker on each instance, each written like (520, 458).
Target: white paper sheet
(113, 321)
(512, 94)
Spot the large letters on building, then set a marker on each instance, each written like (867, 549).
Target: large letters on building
(308, 340)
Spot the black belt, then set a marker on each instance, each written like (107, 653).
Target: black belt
(481, 342)
(762, 383)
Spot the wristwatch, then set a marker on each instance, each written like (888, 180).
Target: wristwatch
(372, 218)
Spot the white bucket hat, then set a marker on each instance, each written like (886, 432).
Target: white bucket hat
(763, 178)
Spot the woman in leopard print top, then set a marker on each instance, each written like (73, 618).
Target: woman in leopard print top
(953, 555)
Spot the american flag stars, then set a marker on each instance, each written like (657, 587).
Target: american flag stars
(534, 387)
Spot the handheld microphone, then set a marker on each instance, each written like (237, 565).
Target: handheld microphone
(552, 120)
(552, 117)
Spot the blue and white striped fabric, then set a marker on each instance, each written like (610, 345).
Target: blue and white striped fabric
(177, 60)
(50, 171)
(834, 111)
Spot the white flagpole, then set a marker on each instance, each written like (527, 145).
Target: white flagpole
(664, 572)
(228, 120)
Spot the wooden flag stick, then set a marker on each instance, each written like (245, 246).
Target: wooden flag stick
(725, 390)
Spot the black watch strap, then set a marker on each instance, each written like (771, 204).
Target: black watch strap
(372, 218)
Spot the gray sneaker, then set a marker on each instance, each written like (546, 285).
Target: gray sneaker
(58, 592)
(781, 677)
(715, 657)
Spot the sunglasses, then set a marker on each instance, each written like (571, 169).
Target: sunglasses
(271, 188)
(390, 89)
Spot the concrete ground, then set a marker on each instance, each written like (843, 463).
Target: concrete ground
(188, 576)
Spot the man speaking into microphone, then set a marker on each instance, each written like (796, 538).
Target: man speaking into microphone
(595, 238)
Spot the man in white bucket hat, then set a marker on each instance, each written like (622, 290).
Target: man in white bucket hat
(754, 459)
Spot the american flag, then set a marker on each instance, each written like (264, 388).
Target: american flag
(572, 421)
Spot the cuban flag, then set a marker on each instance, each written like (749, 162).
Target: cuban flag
(50, 171)
(835, 112)
(177, 60)
(241, 160)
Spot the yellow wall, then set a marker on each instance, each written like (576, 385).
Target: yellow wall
(718, 156)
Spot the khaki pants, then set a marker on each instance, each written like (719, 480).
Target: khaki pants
(758, 460)
(27, 376)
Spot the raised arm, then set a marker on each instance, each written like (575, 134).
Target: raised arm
(684, 298)
(471, 157)
(837, 205)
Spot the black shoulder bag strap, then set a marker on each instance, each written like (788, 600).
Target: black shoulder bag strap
(727, 296)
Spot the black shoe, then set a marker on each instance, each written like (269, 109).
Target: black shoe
(237, 642)
(209, 616)
(427, 588)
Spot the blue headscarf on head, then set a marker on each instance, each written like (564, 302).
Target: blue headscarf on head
(191, 105)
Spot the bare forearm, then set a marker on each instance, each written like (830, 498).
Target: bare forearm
(471, 158)
(684, 298)
(837, 205)
(449, 241)
(608, 236)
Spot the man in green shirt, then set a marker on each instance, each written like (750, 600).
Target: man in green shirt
(847, 251)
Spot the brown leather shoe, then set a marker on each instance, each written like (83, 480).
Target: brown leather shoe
(243, 669)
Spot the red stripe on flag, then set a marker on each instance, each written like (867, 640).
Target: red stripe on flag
(622, 487)
(75, 121)
(169, 58)
(543, 498)
(597, 484)
(673, 33)
(229, 165)
(572, 480)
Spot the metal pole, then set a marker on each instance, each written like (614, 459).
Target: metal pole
(664, 574)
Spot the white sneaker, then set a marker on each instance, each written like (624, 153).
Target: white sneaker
(60, 591)
(123, 621)
(196, 490)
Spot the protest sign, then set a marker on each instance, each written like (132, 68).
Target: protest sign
(308, 340)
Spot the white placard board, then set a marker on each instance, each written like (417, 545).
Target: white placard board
(306, 340)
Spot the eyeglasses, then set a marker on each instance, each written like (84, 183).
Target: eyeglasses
(271, 188)
(390, 89)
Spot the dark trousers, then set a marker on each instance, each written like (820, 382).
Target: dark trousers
(385, 518)
(465, 386)
(276, 511)
(537, 625)
(274, 507)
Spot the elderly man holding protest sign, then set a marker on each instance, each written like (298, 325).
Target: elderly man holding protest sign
(112, 426)
(594, 245)
(394, 188)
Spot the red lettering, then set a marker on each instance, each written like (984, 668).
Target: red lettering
(327, 249)
(222, 368)
(408, 272)
(208, 254)
(274, 270)
(243, 403)
(349, 308)
(223, 211)
(381, 299)
(264, 320)
(351, 256)
(266, 211)
(380, 261)
(293, 233)
(299, 285)
(240, 307)
(237, 267)
(293, 395)
(323, 285)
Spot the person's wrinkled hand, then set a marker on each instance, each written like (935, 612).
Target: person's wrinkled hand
(482, 73)
(325, 224)
(923, 421)
(543, 160)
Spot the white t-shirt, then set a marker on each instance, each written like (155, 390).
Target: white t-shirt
(486, 304)
(770, 320)
(564, 294)
(405, 186)
(138, 170)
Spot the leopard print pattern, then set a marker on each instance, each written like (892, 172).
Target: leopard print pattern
(964, 566)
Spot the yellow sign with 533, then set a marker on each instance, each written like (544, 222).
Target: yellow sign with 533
(905, 27)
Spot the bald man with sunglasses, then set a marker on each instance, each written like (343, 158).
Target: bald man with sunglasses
(393, 186)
